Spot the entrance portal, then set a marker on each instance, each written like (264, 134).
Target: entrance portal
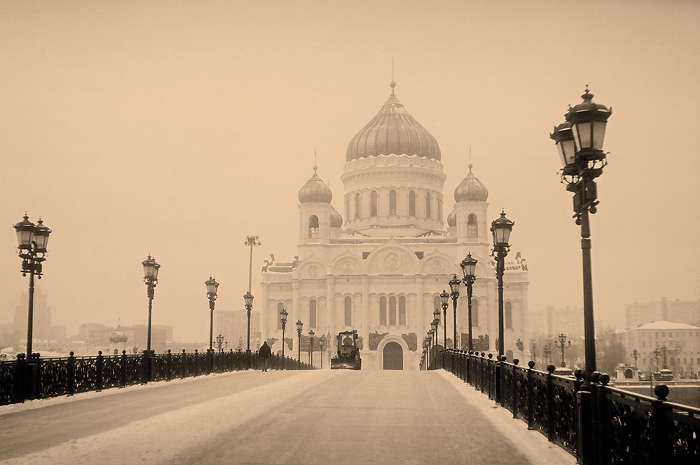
(393, 356)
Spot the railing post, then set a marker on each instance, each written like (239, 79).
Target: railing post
(515, 388)
(550, 403)
(21, 379)
(595, 439)
(145, 367)
(663, 453)
(196, 362)
(35, 370)
(183, 365)
(168, 365)
(99, 364)
(71, 374)
(604, 445)
(530, 396)
(123, 373)
(585, 454)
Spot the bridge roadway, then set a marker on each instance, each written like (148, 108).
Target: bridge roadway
(291, 417)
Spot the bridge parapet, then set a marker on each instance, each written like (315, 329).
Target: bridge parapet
(597, 424)
(40, 378)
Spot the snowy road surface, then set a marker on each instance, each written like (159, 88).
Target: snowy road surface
(292, 417)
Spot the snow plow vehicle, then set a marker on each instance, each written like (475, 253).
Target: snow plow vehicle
(348, 356)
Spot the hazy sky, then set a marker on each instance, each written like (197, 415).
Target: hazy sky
(178, 128)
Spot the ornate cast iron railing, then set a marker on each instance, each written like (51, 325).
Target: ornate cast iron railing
(603, 425)
(40, 378)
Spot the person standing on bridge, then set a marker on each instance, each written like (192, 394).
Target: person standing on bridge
(265, 353)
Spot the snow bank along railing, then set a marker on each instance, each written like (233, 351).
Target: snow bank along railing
(603, 425)
(40, 378)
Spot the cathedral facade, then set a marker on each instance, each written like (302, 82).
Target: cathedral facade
(381, 267)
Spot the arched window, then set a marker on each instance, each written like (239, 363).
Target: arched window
(348, 311)
(312, 314)
(439, 201)
(427, 205)
(509, 316)
(313, 226)
(392, 202)
(392, 311)
(347, 207)
(472, 226)
(280, 307)
(402, 311)
(382, 311)
(373, 204)
(411, 203)
(358, 207)
(475, 313)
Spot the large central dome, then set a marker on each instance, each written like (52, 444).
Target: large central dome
(393, 131)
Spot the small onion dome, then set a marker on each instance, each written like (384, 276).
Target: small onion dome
(336, 219)
(471, 189)
(118, 337)
(393, 131)
(452, 218)
(315, 190)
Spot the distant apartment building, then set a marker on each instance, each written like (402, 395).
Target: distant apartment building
(679, 311)
(665, 344)
(233, 326)
(42, 327)
(553, 322)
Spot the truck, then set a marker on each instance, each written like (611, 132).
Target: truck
(348, 356)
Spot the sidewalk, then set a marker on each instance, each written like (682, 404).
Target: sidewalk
(530, 442)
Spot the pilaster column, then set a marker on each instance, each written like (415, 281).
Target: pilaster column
(264, 311)
(492, 321)
(365, 309)
(332, 324)
(295, 314)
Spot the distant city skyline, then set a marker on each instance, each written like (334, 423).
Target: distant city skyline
(176, 130)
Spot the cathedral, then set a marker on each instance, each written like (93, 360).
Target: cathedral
(380, 268)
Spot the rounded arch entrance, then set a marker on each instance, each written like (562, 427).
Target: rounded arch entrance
(392, 352)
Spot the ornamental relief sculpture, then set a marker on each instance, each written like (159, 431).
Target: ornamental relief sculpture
(392, 261)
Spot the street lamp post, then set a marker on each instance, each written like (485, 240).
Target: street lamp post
(431, 338)
(657, 354)
(283, 320)
(501, 229)
(311, 347)
(562, 345)
(444, 298)
(469, 271)
(212, 287)
(251, 241)
(664, 351)
(635, 356)
(220, 342)
(454, 292)
(580, 144)
(321, 345)
(436, 317)
(300, 326)
(248, 299)
(32, 241)
(150, 277)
